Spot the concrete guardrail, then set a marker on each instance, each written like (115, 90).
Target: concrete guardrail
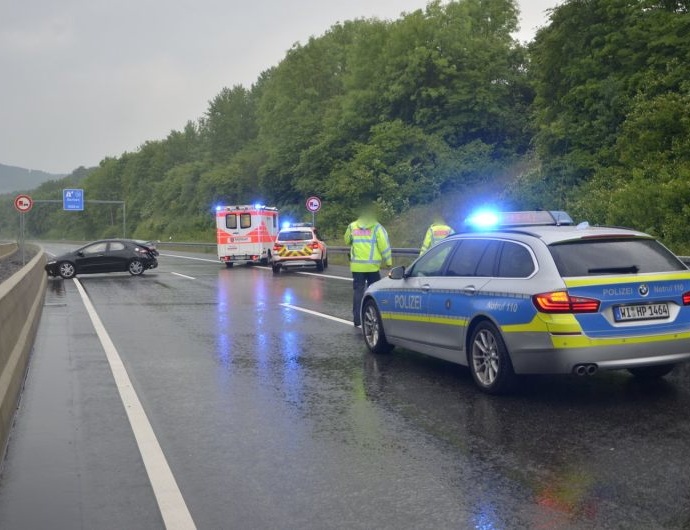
(21, 304)
(7, 250)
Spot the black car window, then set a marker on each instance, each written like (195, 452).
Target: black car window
(245, 220)
(96, 248)
(588, 257)
(467, 257)
(516, 262)
(116, 246)
(231, 221)
(431, 263)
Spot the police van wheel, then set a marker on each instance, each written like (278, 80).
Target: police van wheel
(229, 264)
(489, 360)
(372, 329)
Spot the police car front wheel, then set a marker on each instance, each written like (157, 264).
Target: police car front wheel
(489, 360)
(372, 329)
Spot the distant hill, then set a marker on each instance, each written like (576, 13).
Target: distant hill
(19, 179)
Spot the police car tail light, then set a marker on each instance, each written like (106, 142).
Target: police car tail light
(686, 298)
(277, 246)
(562, 302)
(314, 245)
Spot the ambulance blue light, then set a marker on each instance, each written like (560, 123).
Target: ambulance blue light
(285, 224)
(484, 219)
(219, 208)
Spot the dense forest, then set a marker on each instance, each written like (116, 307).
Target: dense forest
(440, 101)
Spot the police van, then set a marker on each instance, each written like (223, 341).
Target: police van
(246, 233)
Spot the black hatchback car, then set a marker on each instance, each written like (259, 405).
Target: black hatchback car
(111, 255)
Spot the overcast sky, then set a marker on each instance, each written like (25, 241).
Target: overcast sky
(85, 79)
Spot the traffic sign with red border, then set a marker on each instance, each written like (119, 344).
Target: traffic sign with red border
(23, 203)
(313, 204)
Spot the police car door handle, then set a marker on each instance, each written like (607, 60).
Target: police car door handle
(470, 290)
(426, 287)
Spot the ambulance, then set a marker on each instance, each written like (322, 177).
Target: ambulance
(245, 234)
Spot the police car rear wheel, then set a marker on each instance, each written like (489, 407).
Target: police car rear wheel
(489, 360)
(320, 265)
(652, 372)
(372, 328)
(276, 269)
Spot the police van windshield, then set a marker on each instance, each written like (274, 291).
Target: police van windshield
(590, 257)
(301, 235)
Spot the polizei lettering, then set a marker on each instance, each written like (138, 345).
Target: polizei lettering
(618, 291)
(410, 301)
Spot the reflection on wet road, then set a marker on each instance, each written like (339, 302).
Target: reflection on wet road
(273, 418)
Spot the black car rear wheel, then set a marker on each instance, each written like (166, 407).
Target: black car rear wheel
(67, 270)
(652, 372)
(136, 267)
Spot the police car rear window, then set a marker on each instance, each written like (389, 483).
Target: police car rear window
(613, 256)
(302, 235)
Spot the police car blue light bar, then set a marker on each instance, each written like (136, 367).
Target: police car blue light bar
(491, 220)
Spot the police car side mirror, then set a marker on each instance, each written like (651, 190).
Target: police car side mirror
(397, 273)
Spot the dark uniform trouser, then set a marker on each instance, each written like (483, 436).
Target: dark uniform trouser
(360, 282)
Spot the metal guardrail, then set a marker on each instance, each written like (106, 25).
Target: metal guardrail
(334, 249)
(400, 251)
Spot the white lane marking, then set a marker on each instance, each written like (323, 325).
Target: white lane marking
(316, 313)
(170, 501)
(318, 275)
(183, 275)
(195, 259)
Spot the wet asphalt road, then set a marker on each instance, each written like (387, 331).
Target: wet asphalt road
(273, 418)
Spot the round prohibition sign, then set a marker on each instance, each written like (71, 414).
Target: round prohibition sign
(23, 203)
(313, 204)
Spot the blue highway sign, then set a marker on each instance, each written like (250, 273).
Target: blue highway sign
(73, 200)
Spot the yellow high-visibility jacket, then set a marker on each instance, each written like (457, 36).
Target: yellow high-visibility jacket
(436, 233)
(369, 246)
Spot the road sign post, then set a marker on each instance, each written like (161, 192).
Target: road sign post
(313, 205)
(23, 204)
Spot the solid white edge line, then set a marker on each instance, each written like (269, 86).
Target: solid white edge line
(317, 314)
(168, 496)
(195, 259)
(183, 275)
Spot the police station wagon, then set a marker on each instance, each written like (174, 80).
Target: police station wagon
(529, 293)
